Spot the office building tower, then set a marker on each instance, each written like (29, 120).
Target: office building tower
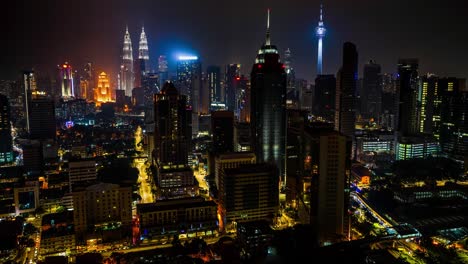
(229, 161)
(163, 71)
(430, 103)
(242, 113)
(120, 98)
(222, 126)
(389, 102)
(242, 137)
(249, 193)
(42, 119)
(143, 53)
(328, 155)
(26, 198)
(171, 126)
(126, 68)
(345, 115)
(407, 87)
(371, 93)
(66, 80)
(232, 79)
(214, 84)
(268, 105)
(97, 206)
(189, 79)
(6, 144)
(454, 127)
(81, 171)
(89, 78)
(103, 90)
(320, 33)
(33, 160)
(292, 93)
(324, 97)
(28, 87)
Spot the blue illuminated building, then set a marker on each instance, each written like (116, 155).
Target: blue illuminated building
(320, 32)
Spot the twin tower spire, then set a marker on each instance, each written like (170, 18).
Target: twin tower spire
(127, 73)
(143, 52)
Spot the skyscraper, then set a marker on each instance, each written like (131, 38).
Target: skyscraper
(371, 95)
(143, 53)
(430, 105)
(171, 125)
(329, 152)
(345, 115)
(103, 90)
(407, 87)
(268, 105)
(222, 125)
(214, 83)
(232, 82)
(28, 86)
(172, 137)
(126, 69)
(292, 97)
(6, 144)
(42, 119)
(66, 81)
(162, 70)
(189, 77)
(320, 32)
(324, 97)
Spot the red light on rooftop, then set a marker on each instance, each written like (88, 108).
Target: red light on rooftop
(65, 66)
(259, 66)
(238, 78)
(283, 66)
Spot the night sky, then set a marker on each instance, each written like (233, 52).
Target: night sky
(42, 34)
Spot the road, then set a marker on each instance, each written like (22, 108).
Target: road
(361, 201)
(200, 175)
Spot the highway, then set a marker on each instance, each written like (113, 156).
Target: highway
(145, 183)
(362, 202)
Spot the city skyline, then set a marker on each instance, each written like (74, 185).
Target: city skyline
(75, 38)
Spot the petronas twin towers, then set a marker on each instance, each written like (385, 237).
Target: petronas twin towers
(127, 71)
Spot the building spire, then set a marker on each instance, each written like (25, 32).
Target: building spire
(126, 30)
(267, 42)
(321, 12)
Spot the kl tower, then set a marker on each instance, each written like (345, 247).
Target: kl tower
(320, 32)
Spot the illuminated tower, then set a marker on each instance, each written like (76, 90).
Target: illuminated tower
(103, 92)
(268, 105)
(66, 79)
(320, 32)
(143, 53)
(126, 69)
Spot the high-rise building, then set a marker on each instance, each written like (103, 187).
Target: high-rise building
(214, 84)
(189, 78)
(143, 53)
(42, 119)
(430, 100)
(6, 144)
(163, 71)
(328, 155)
(28, 86)
(126, 69)
(230, 160)
(103, 90)
(371, 94)
(66, 80)
(249, 193)
(320, 32)
(81, 170)
(88, 77)
(324, 97)
(102, 204)
(172, 138)
(407, 87)
(33, 160)
(292, 92)
(268, 105)
(222, 125)
(345, 115)
(454, 127)
(232, 82)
